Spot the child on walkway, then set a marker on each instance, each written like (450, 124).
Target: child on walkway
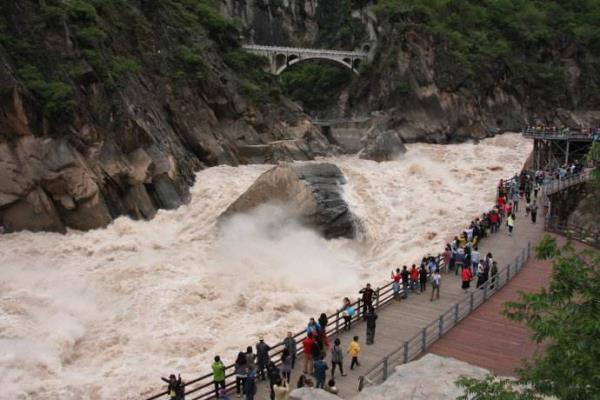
(354, 350)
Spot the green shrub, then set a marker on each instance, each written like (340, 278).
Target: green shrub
(125, 65)
(241, 61)
(81, 11)
(57, 97)
(91, 36)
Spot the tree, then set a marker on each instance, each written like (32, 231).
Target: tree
(565, 318)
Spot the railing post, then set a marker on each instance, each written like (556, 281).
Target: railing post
(471, 302)
(385, 367)
(485, 290)
(377, 303)
(523, 256)
(405, 352)
(337, 321)
(441, 325)
(358, 309)
(456, 313)
(423, 339)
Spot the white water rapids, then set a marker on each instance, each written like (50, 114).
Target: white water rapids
(104, 314)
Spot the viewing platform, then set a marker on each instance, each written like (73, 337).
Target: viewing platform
(405, 329)
(553, 147)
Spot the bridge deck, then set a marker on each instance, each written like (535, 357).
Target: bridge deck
(489, 340)
(401, 321)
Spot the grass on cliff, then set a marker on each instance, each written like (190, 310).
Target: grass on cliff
(495, 40)
(317, 85)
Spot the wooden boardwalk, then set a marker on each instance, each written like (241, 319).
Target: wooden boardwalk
(489, 340)
(401, 321)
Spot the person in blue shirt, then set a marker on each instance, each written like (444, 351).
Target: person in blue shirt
(320, 373)
(312, 327)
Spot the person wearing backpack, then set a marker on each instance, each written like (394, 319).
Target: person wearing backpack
(347, 313)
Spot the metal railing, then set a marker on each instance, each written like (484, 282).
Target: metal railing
(418, 344)
(558, 134)
(587, 236)
(557, 185)
(203, 387)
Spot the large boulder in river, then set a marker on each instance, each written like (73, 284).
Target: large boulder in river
(381, 145)
(311, 192)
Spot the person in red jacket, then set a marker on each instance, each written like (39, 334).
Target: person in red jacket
(494, 221)
(307, 348)
(414, 277)
(466, 276)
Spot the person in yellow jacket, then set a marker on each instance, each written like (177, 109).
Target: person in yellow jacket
(354, 350)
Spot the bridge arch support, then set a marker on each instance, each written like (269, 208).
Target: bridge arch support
(283, 57)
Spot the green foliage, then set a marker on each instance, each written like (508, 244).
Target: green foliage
(56, 96)
(256, 83)
(316, 85)
(53, 16)
(240, 60)
(492, 388)
(125, 65)
(503, 39)
(91, 36)
(81, 11)
(594, 156)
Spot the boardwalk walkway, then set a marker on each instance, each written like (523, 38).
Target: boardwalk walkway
(400, 322)
(489, 340)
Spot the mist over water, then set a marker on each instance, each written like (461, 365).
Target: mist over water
(104, 314)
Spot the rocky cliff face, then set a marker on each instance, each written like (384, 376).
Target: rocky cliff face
(419, 85)
(108, 107)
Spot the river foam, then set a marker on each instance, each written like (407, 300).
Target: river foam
(103, 314)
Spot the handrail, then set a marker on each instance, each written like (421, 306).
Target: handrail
(561, 134)
(576, 232)
(418, 344)
(304, 50)
(561, 184)
(335, 322)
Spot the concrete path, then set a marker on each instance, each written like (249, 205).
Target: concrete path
(401, 321)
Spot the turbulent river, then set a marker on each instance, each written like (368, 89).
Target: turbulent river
(104, 314)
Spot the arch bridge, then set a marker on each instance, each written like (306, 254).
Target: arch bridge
(281, 58)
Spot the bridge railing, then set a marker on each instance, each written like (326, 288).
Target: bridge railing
(557, 185)
(587, 236)
(274, 49)
(419, 343)
(561, 134)
(202, 387)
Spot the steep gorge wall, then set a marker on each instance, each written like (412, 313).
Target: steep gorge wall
(109, 107)
(419, 85)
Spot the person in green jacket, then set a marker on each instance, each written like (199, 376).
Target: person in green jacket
(218, 369)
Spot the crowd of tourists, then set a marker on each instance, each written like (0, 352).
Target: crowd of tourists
(461, 256)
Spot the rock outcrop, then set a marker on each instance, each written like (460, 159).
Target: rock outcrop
(381, 146)
(105, 117)
(307, 393)
(311, 193)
